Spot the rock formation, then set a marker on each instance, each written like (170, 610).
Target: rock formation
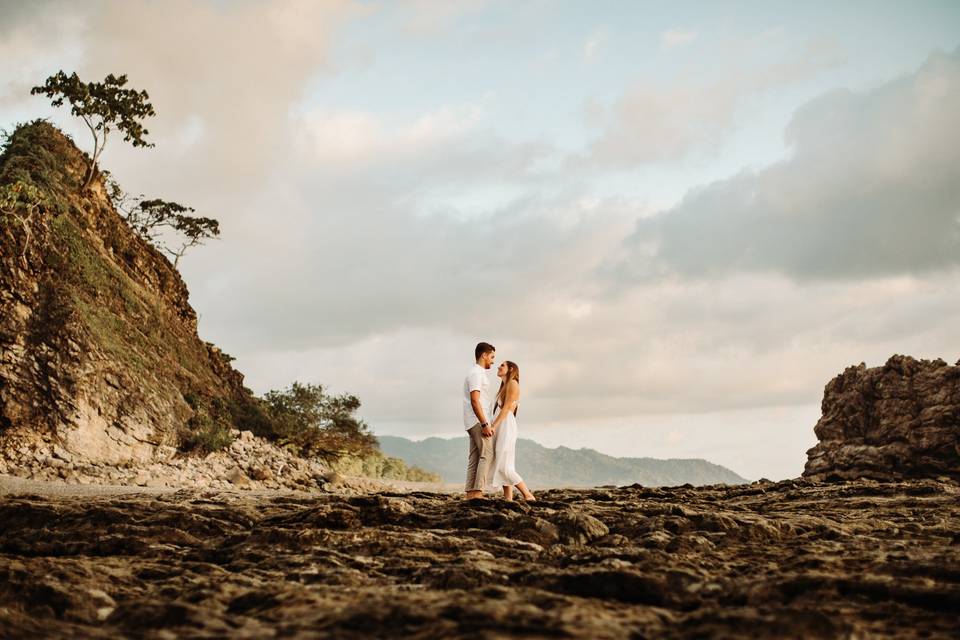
(900, 420)
(249, 463)
(795, 559)
(98, 343)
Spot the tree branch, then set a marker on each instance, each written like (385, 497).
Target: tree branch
(96, 153)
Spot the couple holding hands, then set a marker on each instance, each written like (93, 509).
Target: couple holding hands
(493, 441)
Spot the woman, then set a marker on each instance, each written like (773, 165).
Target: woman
(505, 433)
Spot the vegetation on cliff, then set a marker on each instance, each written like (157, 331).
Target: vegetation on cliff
(166, 225)
(95, 321)
(103, 107)
(98, 343)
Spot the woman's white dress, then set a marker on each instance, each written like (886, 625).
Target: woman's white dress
(505, 452)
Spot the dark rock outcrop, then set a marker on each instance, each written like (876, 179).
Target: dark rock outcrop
(795, 559)
(98, 344)
(901, 420)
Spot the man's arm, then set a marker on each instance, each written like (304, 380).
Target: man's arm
(479, 412)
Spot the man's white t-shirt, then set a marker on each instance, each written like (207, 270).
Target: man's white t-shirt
(477, 380)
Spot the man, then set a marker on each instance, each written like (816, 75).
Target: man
(477, 403)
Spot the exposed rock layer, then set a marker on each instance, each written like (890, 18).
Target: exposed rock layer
(98, 343)
(249, 463)
(793, 559)
(900, 420)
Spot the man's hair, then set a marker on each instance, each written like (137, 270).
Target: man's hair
(482, 348)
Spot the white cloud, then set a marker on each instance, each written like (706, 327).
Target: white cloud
(34, 40)
(650, 123)
(239, 69)
(737, 366)
(426, 16)
(594, 44)
(365, 138)
(872, 188)
(370, 251)
(677, 37)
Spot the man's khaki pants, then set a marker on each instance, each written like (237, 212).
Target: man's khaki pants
(480, 460)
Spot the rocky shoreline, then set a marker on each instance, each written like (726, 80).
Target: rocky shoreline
(249, 463)
(109, 531)
(771, 560)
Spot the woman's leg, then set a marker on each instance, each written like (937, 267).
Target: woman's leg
(527, 494)
(507, 492)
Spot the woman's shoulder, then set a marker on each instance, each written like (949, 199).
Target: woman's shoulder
(513, 384)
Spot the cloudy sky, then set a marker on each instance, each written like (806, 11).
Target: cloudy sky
(680, 219)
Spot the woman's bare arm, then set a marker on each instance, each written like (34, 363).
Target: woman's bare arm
(509, 403)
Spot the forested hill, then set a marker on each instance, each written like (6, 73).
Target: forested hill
(544, 467)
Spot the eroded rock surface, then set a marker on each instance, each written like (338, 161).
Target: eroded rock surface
(249, 463)
(900, 420)
(792, 559)
(99, 350)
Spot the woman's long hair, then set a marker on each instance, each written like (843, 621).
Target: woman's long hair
(513, 373)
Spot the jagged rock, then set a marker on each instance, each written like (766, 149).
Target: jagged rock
(329, 477)
(103, 603)
(142, 478)
(900, 420)
(165, 453)
(61, 453)
(859, 559)
(98, 343)
(237, 477)
(580, 528)
(260, 472)
(395, 506)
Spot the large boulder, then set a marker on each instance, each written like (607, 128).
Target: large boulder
(900, 420)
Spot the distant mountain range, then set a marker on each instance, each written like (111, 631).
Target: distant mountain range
(560, 467)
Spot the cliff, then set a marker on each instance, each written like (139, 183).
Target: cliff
(901, 420)
(99, 351)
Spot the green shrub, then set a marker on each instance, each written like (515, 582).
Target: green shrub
(250, 414)
(208, 430)
(311, 422)
(33, 155)
(376, 465)
(204, 434)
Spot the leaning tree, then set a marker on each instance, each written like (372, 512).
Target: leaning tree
(190, 231)
(103, 106)
(166, 225)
